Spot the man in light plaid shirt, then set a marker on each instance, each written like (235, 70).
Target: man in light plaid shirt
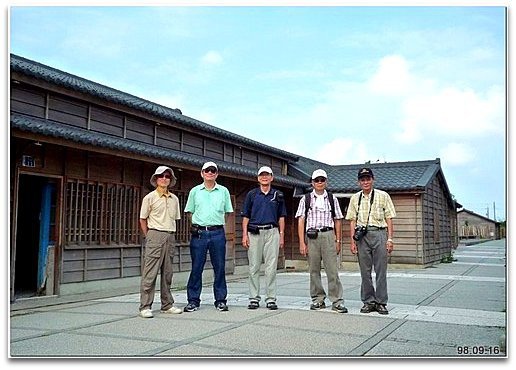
(370, 212)
(319, 237)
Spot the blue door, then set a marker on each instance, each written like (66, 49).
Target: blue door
(44, 232)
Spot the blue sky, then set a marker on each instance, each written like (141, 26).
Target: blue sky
(340, 84)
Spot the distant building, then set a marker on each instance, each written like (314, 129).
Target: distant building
(474, 226)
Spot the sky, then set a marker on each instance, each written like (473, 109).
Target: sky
(342, 84)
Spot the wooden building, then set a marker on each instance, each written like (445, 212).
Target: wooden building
(425, 229)
(82, 154)
(471, 225)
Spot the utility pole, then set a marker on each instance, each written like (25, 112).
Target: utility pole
(487, 212)
(494, 211)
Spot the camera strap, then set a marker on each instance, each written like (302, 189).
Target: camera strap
(370, 205)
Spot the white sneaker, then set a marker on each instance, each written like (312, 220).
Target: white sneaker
(173, 310)
(146, 314)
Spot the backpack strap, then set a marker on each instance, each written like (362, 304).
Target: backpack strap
(330, 198)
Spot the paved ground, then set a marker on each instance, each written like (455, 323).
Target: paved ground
(451, 310)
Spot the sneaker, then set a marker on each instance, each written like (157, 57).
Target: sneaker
(173, 310)
(190, 307)
(368, 308)
(318, 305)
(272, 305)
(146, 313)
(253, 305)
(381, 309)
(221, 306)
(339, 308)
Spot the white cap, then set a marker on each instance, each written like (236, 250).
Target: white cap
(209, 164)
(319, 173)
(159, 171)
(265, 169)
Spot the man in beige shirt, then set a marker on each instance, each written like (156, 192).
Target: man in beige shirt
(158, 215)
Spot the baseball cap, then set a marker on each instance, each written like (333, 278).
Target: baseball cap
(265, 169)
(365, 171)
(319, 173)
(209, 164)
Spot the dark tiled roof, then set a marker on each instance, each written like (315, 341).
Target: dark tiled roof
(395, 176)
(83, 136)
(69, 81)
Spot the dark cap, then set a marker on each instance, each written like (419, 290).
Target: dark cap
(365, 171)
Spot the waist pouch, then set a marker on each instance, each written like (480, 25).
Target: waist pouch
(194, 230)
(252, 229)
(312, 233)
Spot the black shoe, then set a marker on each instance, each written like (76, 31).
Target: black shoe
(318, 305)
(253, 305)
(221, 306)
(368, 308)
(381, 309)
(190, 307)
(340, 309)
(272, 306)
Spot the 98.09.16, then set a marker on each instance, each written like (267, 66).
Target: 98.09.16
(478, 350)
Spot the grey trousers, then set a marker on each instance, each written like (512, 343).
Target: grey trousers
(159, 252)
(372, 252)
(263, 245)
(323, 248)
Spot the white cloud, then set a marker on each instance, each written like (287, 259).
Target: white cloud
(392, 77)
(457, 154)
(211, 58)
(341, 151)
(452, 112)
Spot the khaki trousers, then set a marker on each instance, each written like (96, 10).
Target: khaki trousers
(159, 253)
(323, 248)
(264, 245)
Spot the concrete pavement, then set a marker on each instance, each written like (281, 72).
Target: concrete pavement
(450, 310)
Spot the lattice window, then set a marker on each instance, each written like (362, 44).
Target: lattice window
(101, 213)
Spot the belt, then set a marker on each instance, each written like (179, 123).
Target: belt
(264, 227)
(373, 228)
(162, 231)
(323, 229)
(209, 228)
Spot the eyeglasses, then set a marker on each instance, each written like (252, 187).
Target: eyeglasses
(319, 179)
(210, 169)
(163, 175)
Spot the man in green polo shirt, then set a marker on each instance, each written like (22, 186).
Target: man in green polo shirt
(207, 205)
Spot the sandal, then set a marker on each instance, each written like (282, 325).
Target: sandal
(272, 306)
(253, 305)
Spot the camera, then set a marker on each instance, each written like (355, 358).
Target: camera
(360, 231)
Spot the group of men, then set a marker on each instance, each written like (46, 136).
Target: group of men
(319, 215)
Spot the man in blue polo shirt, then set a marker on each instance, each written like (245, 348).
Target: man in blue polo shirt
(207, 205)
(263, 235)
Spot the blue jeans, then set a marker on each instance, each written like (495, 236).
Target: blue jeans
(215, 243)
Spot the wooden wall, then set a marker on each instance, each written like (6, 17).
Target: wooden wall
(41, 103)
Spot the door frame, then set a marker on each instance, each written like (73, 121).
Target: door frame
(14, 227)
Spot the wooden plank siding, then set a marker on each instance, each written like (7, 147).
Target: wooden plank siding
(408, 231)
(439, 218)
(71, 111)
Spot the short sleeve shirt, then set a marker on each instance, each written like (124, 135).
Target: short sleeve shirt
(263, 209)
(382, 209)
(160, 210)
(319, 218)
(208, 207)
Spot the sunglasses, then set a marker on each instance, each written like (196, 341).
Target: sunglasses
(319, 179)
(163, 175)
(210, 169)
